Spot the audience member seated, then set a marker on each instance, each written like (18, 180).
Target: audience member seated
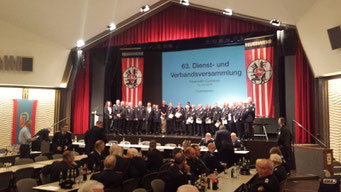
(108, 177)
(277, 150)
(97, 156)
(122, 164)
(265, 181)
(61, 166)
(197, 167)
(137, 166)
(197, 150)
(91, 186)
(185, 144)
(279, 170)
(207, 140)
(177, 174)
(211, 159)
(154, 158)
(237, 144)
(62, 141)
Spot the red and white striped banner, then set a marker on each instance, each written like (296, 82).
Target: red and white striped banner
(259, 56)
(132, 79)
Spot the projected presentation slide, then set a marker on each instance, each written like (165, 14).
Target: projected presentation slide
(204, 76)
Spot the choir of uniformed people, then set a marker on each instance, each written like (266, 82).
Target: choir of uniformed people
(167, 119)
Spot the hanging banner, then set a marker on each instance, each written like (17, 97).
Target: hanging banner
(132, 78)
(23, 110)
(259, 56)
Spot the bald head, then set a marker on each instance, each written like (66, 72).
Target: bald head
(264, 167)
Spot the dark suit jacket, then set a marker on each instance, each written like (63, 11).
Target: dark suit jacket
(280, 173)
(237, 144)
(284, 138)
(156, 115)
(109, 178)
(93, 135)
(197, 167)
(154, 161)
(223, 140)
(122, 165)
(55, 169)
(94, 158)
(175, 177)
(61, 140)
(137, 167)
(212, 161)
(205, 143)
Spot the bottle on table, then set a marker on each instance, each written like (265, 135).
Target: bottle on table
(61, 178)
(140, 141)
(85, 173)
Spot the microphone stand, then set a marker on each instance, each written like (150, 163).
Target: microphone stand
(320, 142)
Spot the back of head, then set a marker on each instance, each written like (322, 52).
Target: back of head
(152, 144)
(276, 158)
(98, 144)
(132, 152)
(116, 150)
(91, 186)
(275, 150)
(175, 151)
(211, 147)
(222, 127)
(99, 123)
(67, 154)
(110, 162)
(179, 158)
(187, 188)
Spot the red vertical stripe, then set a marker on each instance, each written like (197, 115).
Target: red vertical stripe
(15, 116)
(140, 87)
(124, 67)
(34, 110)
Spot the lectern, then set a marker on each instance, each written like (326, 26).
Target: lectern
(311, 159)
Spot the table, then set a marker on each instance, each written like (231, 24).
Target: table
(228, 184)
(55, 186)
(161, 148)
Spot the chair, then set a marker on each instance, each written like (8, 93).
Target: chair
(162, 175)
(117, 189)
(45, 147)
(23, 161)
(145, 142)
(170, 145)
(41, 158)
(147, 179)
(57, 156)
(130, 184)
(158, 185)
(282, 185)
(44, 179)
(23, 173)
(6, 178)
(165, 166)
(25, 185)
(140, 190)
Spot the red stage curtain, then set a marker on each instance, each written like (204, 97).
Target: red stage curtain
(304, 96)
(179, 22)
(81, 99)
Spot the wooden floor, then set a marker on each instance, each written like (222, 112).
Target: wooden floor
(302, 186)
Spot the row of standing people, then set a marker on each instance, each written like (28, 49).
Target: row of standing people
(123, 118)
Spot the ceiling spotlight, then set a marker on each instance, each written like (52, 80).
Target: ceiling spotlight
(275, 22)
(227, 12)
(144, 8)
(80, 43)
(184, 2)
(111, 27)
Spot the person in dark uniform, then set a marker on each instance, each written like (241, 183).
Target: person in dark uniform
(42, 135)
(232, 122)
(120, 114)
(154, 158)
(62, 141)
(115, 126)
(200, 118)
(239, 120)
(108, 116)
(279, 170)
(149, 118)
(235, 141)
(249, 117)
(170, 117)
(197, 167)
(96, 157)
(208, 120)
(216, 117)
(265, 181)
(277, 150)
(207, 140)
(179, 116)
(224, 116)
(188, 120)
(284, 140)
(194, 125)
(108, 177)
(224, 145)
(92, 135)
(178, 174)
(212, 160)
(137, 166)
(156, 120)
(129, 115)
(140, 117)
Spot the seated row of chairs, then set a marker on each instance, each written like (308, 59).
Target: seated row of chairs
(9, 179)
(22, 161)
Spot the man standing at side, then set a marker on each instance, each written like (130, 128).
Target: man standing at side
(94, 134)
(284, 140)
(25, 139)
(224, 145)
(62, 140)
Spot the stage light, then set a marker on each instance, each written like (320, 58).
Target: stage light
(80, 43)
(275, 22)
(184, 2)
(144, 8)
(111, 27)
(227, 12)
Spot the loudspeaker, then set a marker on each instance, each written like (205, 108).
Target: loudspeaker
(335, 37)
(288, 42)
